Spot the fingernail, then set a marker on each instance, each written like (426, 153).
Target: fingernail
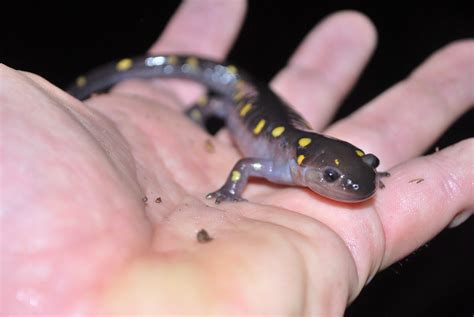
(460, 218)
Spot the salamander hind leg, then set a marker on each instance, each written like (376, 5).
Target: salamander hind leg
(206, 107)
(238, 179)
(196, 115)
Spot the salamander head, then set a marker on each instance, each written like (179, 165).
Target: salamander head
(342, 172)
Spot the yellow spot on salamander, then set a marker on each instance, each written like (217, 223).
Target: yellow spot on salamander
(232, 69)
(192, 61)
(300, 159)
(239, 84)
(202, 101)
(278, 131)
(196, 115)
(304, 142)
(124, 64)
(81, 81)
(258, 128)
(238, 95)
(245, 109)
(360, 153)
(235, 176)
(337, 162)
(172, 60)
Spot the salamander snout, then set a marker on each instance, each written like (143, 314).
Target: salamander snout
(359, 189)
(335, 184)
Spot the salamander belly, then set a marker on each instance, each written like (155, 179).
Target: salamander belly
(258, 145)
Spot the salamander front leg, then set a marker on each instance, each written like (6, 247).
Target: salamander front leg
(379, 176)
(238, 179)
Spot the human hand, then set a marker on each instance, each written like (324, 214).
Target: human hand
(81, 238)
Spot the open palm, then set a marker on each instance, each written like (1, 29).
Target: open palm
(103, 200)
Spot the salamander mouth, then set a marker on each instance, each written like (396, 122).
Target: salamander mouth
(343, 189)
(340, 194)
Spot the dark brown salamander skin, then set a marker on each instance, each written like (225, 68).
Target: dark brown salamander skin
(276, 142)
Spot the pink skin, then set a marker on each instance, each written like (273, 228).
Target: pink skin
(77, 235)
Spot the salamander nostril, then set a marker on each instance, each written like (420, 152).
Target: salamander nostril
(349, 184)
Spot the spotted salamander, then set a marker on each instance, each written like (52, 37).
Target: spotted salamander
(276, 142)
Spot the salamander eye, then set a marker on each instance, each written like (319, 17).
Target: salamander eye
(371, 160)
(330, 175)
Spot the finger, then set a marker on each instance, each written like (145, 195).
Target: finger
(325, 66)
(205, 28)
(423, 196)
(50, 152)
(408, 118)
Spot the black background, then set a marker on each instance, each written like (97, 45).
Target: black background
(61, 41)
